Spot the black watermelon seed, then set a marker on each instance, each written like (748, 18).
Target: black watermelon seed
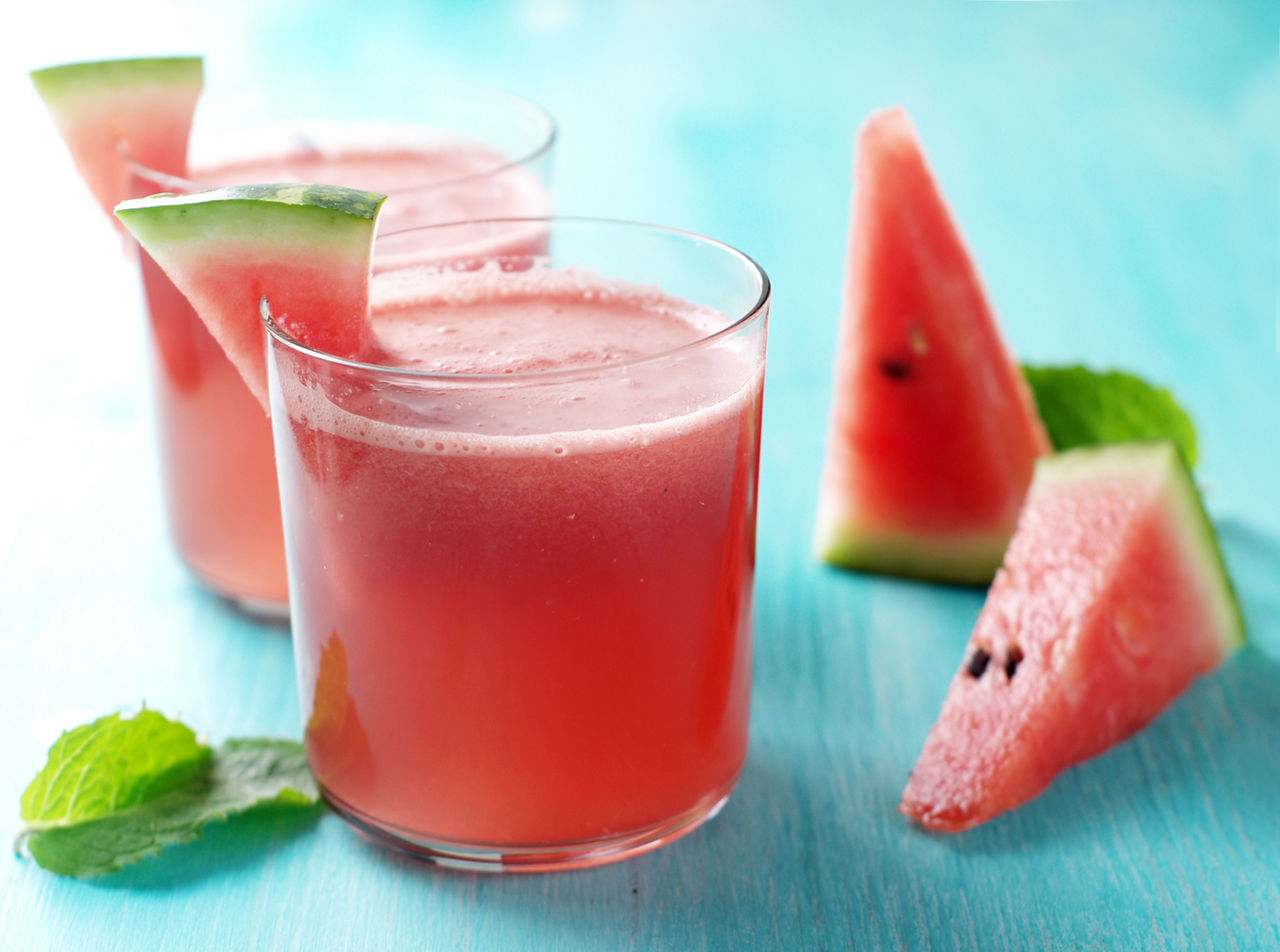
(1012, 660)
(978, 662)
(895, 369)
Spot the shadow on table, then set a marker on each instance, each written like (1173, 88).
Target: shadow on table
(742, 880)
(1253, 559)
(1218, 744)
(245, 841)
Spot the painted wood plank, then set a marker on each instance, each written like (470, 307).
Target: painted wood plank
(1114, 171)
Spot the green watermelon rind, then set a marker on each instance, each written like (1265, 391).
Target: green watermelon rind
(969, 559)
(59, 85)
(225, 245)
(109, 112)
(291, 214)
(1122, 458)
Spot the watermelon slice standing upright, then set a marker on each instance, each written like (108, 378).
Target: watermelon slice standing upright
(933, 431)
(1113, 596)
(306, 248)
(112, 111)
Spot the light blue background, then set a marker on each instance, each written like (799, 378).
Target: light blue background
(1114, 167)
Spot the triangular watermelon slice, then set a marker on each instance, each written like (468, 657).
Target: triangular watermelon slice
(933, 432)
(111, 111)
(306, 248)
(1112, 598)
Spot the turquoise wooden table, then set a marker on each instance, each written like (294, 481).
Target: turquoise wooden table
(1115, 169)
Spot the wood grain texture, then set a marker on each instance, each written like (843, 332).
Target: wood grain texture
(1115, 173)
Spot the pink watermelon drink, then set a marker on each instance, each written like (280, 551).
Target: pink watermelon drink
(520, 542)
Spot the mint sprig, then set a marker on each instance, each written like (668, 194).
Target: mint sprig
(1084, 407)
(118, 790)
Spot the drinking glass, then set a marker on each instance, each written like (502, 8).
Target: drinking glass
(441, 153)
(521, 540)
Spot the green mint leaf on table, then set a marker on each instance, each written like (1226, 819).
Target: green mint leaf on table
(121, 789)
(1083, 407)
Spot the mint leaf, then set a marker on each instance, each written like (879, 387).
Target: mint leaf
(1083, 407)
(110, 765)
(116, 791)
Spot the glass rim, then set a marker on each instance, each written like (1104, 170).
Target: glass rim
(549, 132)
(755, 311)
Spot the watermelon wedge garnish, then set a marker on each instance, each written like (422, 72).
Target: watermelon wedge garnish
(933, 433)
(111, 111)
(1113, 596)
(306, 248)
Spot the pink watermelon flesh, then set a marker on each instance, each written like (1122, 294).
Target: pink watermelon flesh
(934, 433)
(304, 248)
(1112, 598)
(113, 111)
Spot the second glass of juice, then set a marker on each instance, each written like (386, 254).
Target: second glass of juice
(466, 153)
(520, 535)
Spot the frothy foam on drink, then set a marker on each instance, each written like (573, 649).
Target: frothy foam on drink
(531, 324)
(490, 321)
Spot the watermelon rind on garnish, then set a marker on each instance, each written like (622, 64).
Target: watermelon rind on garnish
(307, 248)
(1113, 597)
(933, 432)
(112, 112)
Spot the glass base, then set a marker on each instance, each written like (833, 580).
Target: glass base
(267, 610)
(531, 859)
(228, 590)
(259, 609)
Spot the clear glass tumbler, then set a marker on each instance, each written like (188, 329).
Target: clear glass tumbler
(521, 541)
(441, 153)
